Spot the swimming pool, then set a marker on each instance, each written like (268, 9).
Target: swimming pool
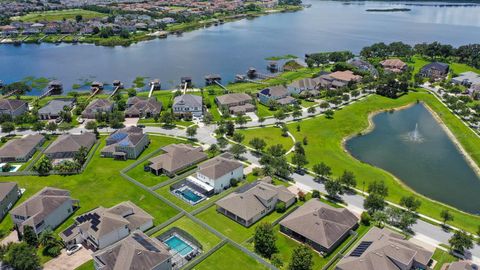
(189, 195)
(180, 246)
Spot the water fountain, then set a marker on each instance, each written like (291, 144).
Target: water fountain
(415, 136)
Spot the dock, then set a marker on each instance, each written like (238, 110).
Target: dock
(222, 86)
(117, 86)
(212, 79)
(154, 85)
(54, 88)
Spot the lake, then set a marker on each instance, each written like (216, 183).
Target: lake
(232, 48)
(425, 160)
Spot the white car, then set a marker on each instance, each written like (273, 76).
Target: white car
(72, 249)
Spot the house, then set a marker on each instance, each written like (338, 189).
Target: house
(467, 78)
(21, 150)
(188, 105)
(54, 107)
(9, 195)
(126, 143)
(394, 65)
(176, 158)
(47, 209)
(137, 251)
(13, 107)
(435, 70)
(236, 103)
(363, 65)
(385, 249)
(461, 265)
(299, 86)
(338, 79)
(252, 202)
(277, 93)
(143, 107)
(103, 227)
(97, 106)
(219, 171)
(319, 225)
(67, 145)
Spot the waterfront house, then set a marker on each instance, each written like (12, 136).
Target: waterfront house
(102, 227)
(177, 157)
(47, 209)
(337, 79)
(137, 251)
(187, 104)
(319, 225)
(467, 78)
(143, 107)
(363, 65)
(97, 106)
(252, 202)
(9, 195)
(67, 145)
(54, 107)
(394, 65)
(126, 143)
(298, 86)
(13, 107)
(236, 103)
(435, 70)
(277, 93)
(385, 249)
(219, 171)
(21, 150)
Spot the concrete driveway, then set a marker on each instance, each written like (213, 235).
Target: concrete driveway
(131, 122)
(65, 262)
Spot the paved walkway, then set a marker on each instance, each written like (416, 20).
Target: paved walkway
(65, 262)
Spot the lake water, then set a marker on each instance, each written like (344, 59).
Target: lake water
(431, 165)
(232, 48)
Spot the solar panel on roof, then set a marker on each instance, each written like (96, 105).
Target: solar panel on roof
(96, 215)
(147, 245)
(360, 249)
(94, 228)
(69, 230)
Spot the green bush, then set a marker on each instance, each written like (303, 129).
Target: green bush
(365, 218)
(280, 207)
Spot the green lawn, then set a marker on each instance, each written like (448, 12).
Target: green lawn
(325, 144)
(99, 185)
(442, 257)
(271, 135)
(58, 15)
(202, 235)
(86, 266)
(147, 178)
(230, 257)
(264, 111)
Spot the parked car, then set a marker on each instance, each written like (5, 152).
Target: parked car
(72, 249)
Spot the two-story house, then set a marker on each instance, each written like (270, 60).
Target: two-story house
(9, 195)
(126, 143)
(219, 171)
(188, 105)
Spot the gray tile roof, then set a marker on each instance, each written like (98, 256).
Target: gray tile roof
(137, 106)
(177, 157)
(218, 167)
(234, 98)
(125, 137)
(55, 106)
(275, 91)
(6, 188)
(461, 265)
(11, 104)
(20, 147)
(304, 84)
(97, 105)
(320, 223)
(71, 143)
(135, 252)
(385, 248)
(188, 101)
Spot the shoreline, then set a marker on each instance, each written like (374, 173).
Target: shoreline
(464, 153)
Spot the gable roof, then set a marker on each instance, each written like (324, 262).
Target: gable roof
(233, 98)
(188, 100)
(20, 147)
(101, 104)
(246, 202)
(42, 204)
(136, 251)
(274, 91)
(6, 188)
(443, 67)
(393, 63)
(71, 143)
(321, 223)
(177, 156)
(143, 105)
(218, 167)
(304, 84)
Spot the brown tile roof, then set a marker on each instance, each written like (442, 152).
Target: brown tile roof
(305, 84)
(235, 98)
(385, 248)
(218, 167)
(321, 223)
(177, 157)
(345, 76)
(137, 251)
(143, 105)
(6, 188)
(393, 64)
(71, 143)
(20, 147)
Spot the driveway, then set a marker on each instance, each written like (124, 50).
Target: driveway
(65, 262)
(130, 122)
(252, 116)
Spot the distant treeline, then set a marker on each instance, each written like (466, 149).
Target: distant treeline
(412, 2)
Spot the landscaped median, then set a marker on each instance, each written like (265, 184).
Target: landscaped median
(326, 137)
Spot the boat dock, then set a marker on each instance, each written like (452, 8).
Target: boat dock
(154, 85)
(117, 86)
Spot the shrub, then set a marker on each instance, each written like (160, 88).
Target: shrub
(280, 207)
(315, 194)
(301, 196)
(233, 182)
(365, 218)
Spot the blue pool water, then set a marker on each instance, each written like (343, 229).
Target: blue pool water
(190, 195)
(179, 245)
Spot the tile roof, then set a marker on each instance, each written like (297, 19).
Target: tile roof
(6, 188)
(188, 100)
(11, 104)
(218, 167)
(137, 106)
(55, 106)
(177, 156)
(234, 98)
(71, 143)
(20, 147)
(275, 91)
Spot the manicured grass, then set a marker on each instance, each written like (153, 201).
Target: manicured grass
(147, 178)
(58, 15)
(232, 229)
(442, 257)
(271, 135)
(86, 266)
(229, 257)
(202, 235)
(460, 68)
(325, 138)
(264, 111)
(99, 185)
